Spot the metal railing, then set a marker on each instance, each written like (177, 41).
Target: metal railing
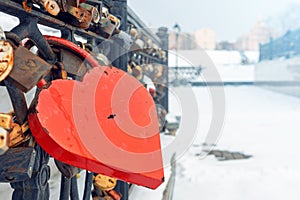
(169, 190)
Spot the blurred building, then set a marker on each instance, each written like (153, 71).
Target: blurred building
(186, 41)
(259, 34)
(205, 38)
(225, 45)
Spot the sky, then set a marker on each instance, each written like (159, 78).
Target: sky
(229, 18)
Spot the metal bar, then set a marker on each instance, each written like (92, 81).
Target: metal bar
(164, 37)
(119, 9)
(221, 84)
(169, 190)
(36, 187)
(122, 188)
(88, 185)
(249, 83)
(18, 100)
(15, 9)
(74, 189)
(151, 58)
(64, 188)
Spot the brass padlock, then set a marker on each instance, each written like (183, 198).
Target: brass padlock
(138, 45)
(6, 56)
(17, 136)
(5, 121)
(104, 183)
(4, 140)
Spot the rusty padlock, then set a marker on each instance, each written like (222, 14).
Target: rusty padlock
(50, 6)
(93, 11)
(17, 134)
(28, 69)
(108, 23)
(15, 131)
(82, 17)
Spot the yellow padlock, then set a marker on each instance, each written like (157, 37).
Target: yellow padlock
(5, 121)
(6, 59)
(104, 183)
(4, 140)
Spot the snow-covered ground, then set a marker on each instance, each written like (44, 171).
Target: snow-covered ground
(260, 123)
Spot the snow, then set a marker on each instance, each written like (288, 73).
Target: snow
(260, 123)
(281, 69)
(235, 73)
(253, 56)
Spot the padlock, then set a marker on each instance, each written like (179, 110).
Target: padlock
(26, 6)
(149, 46)
(133, 33)
(108, 24)
(163, 55)
(4, 140)
(114, 20)
(5, 121)
(93, 11)
(50, 5)
(23, 161)
(63, 5)
(28, 69)
(137, 72)
(104, 183)
(6, 56)
(82, 17)
(102, 59)
(17, 134)
(137, 45)
(74, 3)
(104, 12)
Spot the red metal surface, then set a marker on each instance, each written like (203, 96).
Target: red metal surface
(114, 195)
(41, 83)
(106, 124)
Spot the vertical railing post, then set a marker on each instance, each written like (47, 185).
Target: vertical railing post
(164, 38)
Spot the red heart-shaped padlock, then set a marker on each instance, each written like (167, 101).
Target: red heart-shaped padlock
(106, 124)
